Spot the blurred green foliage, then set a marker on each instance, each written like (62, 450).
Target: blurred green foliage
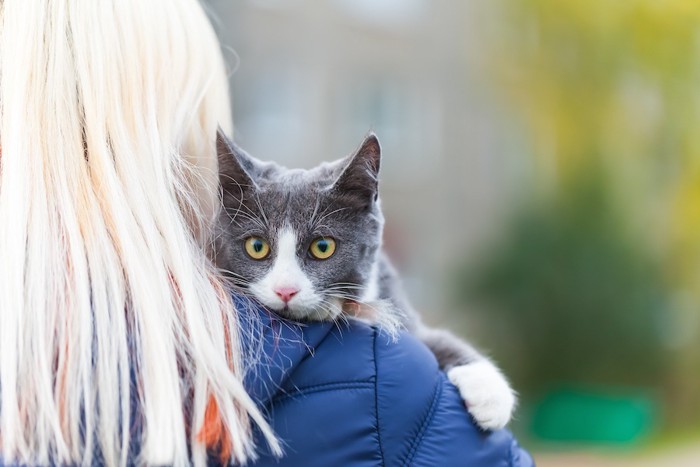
(608, 84)
(586, 299)
(592, 268)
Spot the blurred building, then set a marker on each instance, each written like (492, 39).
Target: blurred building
(311, 77)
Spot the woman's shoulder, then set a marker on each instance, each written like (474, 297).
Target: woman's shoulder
(357, 397)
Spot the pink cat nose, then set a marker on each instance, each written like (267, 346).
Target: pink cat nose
(286, 293)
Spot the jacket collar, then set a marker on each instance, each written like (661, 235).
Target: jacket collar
(273, 347)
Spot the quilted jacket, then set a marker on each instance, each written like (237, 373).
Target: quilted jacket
(347, 395)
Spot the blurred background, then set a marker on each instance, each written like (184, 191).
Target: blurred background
(540, 180)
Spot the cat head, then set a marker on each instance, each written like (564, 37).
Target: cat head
(300, 241)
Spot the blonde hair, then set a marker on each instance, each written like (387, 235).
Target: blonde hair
(108, 187)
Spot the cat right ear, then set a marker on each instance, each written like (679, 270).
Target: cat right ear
(359, 178)
(235, 166)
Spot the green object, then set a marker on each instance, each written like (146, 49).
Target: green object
(579, 416)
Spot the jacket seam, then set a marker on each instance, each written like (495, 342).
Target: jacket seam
(376, 397)
(326, 387)
(427, 420)
(512, 454)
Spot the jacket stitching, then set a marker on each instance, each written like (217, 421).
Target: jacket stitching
(513, 454)
(376, 397)
(427, 419)
(326, 387)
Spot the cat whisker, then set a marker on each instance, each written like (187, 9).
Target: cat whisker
(235, 182)
(342, 318)
(333, 284)
(383, 314)
(329, 232)
(332, 308)
(326, 214)
(313, 214)
(345, 284)
(262, 211)
(238, 278)
(344, 289)
(228, 271)
(341, 296)
(241, 209)
(355, 291)
(337, 315)
(239, 212)
(245, 216)
(235, 279)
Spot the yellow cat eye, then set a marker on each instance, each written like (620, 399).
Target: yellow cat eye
(322, 248)
(257, 248)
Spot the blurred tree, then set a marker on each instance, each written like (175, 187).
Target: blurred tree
(609, 94)
(585, 300)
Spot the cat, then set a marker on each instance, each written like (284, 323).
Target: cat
(308, 245)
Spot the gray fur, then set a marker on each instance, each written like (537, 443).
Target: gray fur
(338, 200)
(449, 350)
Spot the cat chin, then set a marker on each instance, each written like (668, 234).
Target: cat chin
(327, 312)
(308, 315)
(379, 313)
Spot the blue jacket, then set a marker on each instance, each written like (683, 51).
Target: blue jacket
(345, 395)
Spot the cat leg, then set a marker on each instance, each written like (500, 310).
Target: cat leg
(484, 389)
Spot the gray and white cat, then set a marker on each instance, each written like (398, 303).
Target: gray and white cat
(307, 244)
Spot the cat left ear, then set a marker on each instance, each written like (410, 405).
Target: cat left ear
(360, 177)
(235, 166)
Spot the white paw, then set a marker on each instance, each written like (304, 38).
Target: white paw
(486, 392)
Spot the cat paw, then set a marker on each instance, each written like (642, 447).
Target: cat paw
(486, 393)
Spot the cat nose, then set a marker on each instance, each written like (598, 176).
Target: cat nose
(286, 293)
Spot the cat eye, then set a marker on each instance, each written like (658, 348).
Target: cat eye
(257, 248)
(322, 248)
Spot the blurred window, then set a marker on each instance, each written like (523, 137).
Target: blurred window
(274, 4)
(268, 115)
(405, 116)
(385, 13)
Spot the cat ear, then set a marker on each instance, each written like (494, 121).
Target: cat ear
(359, 178)
(235, 166)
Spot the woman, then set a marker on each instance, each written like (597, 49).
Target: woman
(119, 343)
(108, 186)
